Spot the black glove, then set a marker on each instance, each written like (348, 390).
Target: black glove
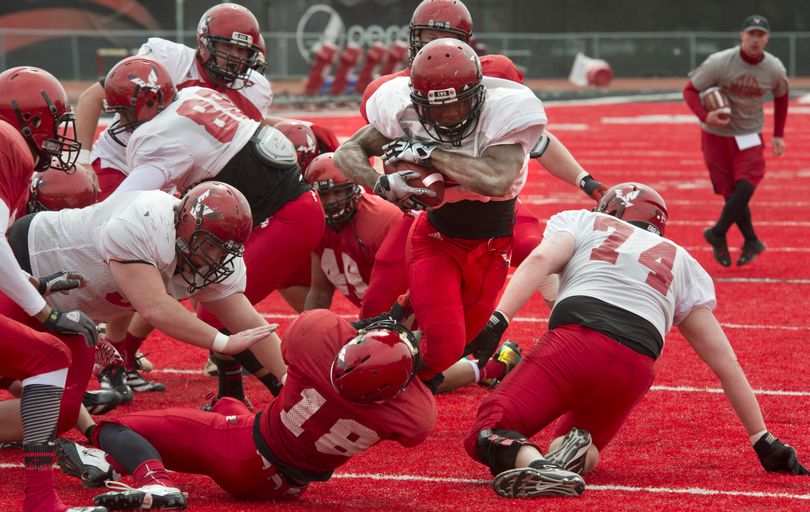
(393, 315)
(73, 322)
(592, 188)
(484, 345)
(59, 282)
(778, 457)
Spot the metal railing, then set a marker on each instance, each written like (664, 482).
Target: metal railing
(73, 55)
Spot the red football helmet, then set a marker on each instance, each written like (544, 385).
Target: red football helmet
(302, 138)
(339, 195)
(637, 204)
(137, 89)
(449, 16)
(54, 190)
(377, 364)
(33, 101)
(228, 25)
(446, 89)
(213, 222)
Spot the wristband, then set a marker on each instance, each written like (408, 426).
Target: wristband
(220, 342)
(84, 157)
(581, 176)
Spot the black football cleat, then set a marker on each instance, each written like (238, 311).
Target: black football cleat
(148, 497)
(750, 250)
(141, 385)
(102, 401)
(88, 464)
(719, 247)
(542, 480)
(570, 454)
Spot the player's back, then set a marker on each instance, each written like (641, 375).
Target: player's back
(310, 427)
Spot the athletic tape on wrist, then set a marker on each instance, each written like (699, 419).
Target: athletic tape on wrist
(220, 342)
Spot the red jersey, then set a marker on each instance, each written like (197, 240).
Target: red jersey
(496, 66)
(16, 169)
(310, 427)
(347, 256)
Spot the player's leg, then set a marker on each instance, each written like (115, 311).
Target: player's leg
(749, 170)
(527, 233)
(717, 153)
(389, 275)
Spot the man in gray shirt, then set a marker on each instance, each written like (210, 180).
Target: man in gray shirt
(732, 143)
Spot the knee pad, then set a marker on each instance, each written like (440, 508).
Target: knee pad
(498, 449)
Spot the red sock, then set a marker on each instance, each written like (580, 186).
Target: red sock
(152, 472)
(493, 370)
(131, 346)
(39, 491)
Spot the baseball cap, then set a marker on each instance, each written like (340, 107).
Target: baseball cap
(756, 22)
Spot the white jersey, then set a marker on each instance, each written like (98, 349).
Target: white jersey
(137, 227)
(192, 139)
(631, 268)
(511, 114)
(181, 62)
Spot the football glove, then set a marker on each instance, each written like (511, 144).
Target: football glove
(778, 457)
(592, 188)
(485, 344)
(404, 150)
(72, 322)
(59, 282)
(395, 188)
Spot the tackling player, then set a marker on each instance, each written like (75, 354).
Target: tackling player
(622, 287)
(346, 390)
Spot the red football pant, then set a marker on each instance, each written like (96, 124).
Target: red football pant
(727, 164)
(454, 286)
(218, 444)
(109, 179)
(27, 351)
(588, 379)
(389, 277)
(277, 247)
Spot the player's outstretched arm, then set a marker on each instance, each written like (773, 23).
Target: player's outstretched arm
(560, 163)
(142, 285)
(321, 290)
(703, 332)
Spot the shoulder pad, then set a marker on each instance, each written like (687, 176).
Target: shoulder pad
(275, 148)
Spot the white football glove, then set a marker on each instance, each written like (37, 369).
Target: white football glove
(395, 188)
(405, 150)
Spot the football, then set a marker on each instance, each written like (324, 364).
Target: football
(428, 178)
(715, 99)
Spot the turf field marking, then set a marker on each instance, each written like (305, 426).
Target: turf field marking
(698, 491)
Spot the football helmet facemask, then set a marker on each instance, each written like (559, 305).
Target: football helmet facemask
(637, 204)
(223, 29)
(33, 101)
(446, 89)
(213, 222)
(339, 195)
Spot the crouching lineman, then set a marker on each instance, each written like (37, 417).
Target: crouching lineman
(622, 287)
(145, 252)
(346, 390)
(35, 118)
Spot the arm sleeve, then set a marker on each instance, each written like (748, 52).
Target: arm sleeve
(780, 111)
(698, 291)
(692, 98)
(14, 282)
(143, 178)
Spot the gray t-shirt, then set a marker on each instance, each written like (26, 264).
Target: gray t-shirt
(745, 84)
